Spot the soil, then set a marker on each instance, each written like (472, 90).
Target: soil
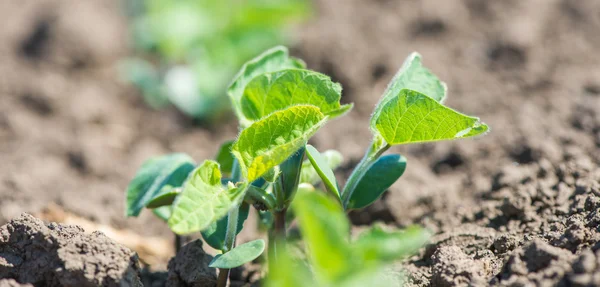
(63, 255)
(517, 207)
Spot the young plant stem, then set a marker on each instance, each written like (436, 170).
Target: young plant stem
(360, 170)
(179, 240)
(230, 234)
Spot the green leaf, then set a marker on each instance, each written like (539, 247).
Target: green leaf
(413, 76)
(270, 141)
(155, 173)
(325, 228)
(378, 178)
(166, 197)
(214, 235)
(225, 158)
(412, 117)
(309, 175)
(377, 245)
(276, 91)
(290, 175)
(289, 272)
(272, 60)
(323, 170)
(203, 200)
(239, 255)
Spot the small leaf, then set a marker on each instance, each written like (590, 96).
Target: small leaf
(203, 200)
(309, 175)
(155, 173)
(270, 141)
(378, 178)
(163, 212)
(323, 170)
(377, 245)
(239, 255)
(276, 91)
(225, 158)
(325, 229)
(272, 60)
(412, 117)
(214, 235)
(413, 76)
(166, 197)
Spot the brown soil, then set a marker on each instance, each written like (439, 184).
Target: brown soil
(63, 255)
(518, 207)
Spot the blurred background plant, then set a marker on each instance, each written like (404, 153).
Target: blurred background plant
(186, 51)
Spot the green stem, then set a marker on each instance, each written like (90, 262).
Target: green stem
(277, 236)
(230, 234)
(372, 154)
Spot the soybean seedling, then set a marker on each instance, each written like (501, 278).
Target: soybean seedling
(280, 105)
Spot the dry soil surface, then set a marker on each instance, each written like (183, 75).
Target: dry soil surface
(518, 207)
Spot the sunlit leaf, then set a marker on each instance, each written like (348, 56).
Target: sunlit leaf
(322, 168)
(239, 255)
(412, 117)
(275, 91)
(203, 200)
(272, 60)
(378, 178)
(413, 76)
(270, 141)
(155, 173)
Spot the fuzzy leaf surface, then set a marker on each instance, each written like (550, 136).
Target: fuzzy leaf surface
(270, 141)
(155, 173)
(412, 117)
(239, 255)
(413, 76)
(272, 60)
(378, 178)
(275, 91)
(203, 200)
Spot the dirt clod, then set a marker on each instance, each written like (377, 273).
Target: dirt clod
(190, 267)
(63, 255)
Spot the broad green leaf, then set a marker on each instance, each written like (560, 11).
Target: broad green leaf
(225, 158)
(272, 60)
(413, 76)
(214, 235)
(309, 175)
(166, 197)
(290, 175)
(323, 170)
(412, 117)
(203, 200)
(276, 91)
(325, 229)
(155, 173)
(239, 255)
(377, 245)
(270, 141)
(378, 178)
